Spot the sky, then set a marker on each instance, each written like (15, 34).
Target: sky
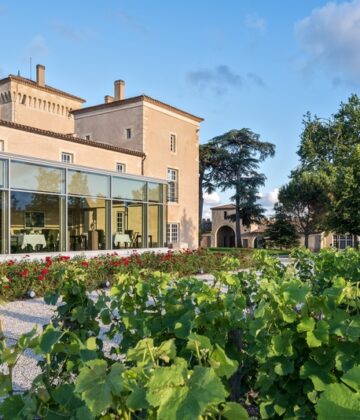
(258, 64)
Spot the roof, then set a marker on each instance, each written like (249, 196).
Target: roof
(47, 88)
(70, 138)
(224, 207)
(134, 100)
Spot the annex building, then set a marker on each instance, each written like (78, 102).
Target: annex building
(121, 174)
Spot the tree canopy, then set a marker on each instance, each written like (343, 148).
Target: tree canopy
(330, 147)
(234, 160)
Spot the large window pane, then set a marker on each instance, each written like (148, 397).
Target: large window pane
(3, 173)
(27, 176)
(35, 222)
(3, 223)
(85, 183)
(128, 189)
(87, 223)
(127, 228)
(154, 192)
(155, 225)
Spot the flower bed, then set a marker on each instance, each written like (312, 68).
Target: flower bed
(40, 276)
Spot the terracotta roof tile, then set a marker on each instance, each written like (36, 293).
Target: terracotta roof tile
(134, 100)
(70, 138)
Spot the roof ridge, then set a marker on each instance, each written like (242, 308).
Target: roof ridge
(134, 99)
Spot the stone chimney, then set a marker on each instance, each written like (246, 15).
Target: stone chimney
(119, 90)
(40, 75)
(108, 99)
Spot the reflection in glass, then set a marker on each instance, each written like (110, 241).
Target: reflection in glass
(3, 173)
(155, 226)
(127, 228)
(86, 183)
(87, 218)
(154, 192)
(3, 222)
(128, 189)
(27, 176)
(34, 234)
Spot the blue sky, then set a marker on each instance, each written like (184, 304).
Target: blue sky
(258, 64)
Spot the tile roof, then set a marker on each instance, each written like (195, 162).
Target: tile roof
(70, 138)
(134, 100)
(224, 207)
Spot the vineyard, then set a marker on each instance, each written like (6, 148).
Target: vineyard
(274, 341)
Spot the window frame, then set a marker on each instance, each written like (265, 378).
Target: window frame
(128, 133)
(172, 234)
(122, 165)
(173, 143)
(68, 162)
(173, 185)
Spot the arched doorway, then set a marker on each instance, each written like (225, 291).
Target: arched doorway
(225, 237)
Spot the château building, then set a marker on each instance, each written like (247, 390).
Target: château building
(121, 174)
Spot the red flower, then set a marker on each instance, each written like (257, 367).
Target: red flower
(84, 263)
(64, 257)
(25, 273)
(41, 278)
(44, 271)
(7, 286)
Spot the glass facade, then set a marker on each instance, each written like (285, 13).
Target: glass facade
(46, 208)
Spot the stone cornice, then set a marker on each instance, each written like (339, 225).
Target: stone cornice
(33, 84)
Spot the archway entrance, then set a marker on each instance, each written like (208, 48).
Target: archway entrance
(225, 237)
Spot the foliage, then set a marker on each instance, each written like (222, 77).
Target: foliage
(239, 154)
(332, 147)
(281, 231)
(305, 201)
(18, 277)
(274, 342)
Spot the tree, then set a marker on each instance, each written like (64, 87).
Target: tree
(332, 148)
(281, 231)
(305, 200)
(238, 156)
(208, 163)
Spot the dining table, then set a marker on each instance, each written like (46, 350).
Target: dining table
(32, 239)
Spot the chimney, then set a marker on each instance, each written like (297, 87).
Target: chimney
(119, 90)
(40, 75)
(109, 99)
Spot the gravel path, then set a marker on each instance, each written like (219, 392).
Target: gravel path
(20, 317)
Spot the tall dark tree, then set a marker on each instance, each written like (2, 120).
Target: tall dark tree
(239, 154)
(281, 231)
(209, 162)
(305, 200)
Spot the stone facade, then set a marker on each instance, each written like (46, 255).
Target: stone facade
(223, 229)
(39, 121)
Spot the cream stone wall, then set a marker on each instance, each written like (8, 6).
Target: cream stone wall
(23, 143)
(109, 126)
(159, 124)
(30, 105)
(151, 128)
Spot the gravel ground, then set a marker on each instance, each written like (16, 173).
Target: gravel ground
(20, 317)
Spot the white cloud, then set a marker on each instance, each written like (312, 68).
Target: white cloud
(330, 37)
(268, 199)
(255, 22)
(207, 214)
(211, 199)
